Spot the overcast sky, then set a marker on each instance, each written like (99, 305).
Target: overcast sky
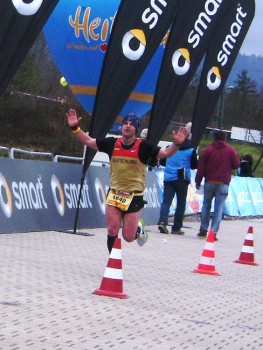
(253, 43)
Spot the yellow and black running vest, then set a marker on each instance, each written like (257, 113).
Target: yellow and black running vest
(127, 171)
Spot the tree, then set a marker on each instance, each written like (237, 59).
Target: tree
(244, 85)
(33, 108)
(242, 103)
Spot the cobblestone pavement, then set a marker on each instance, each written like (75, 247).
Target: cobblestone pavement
(47, 280)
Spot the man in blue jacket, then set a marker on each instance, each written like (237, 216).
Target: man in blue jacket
(177, 177)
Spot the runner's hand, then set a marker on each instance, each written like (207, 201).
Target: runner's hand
(180, 136)
(72, 118)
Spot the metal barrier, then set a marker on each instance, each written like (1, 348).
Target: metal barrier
(13, 151)
(59, 157)
(98, 159)
(4, 150)
(95, 161)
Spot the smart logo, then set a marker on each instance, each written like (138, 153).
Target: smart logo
(181, 60)
(5, 197)
(27, 9)
(214, 76)
(128, 50)
(134, 41)
(67, 195)
(21, 195)
(58, 195)
(184, 68)
(204, 19)
(100, 194)
(72, 195)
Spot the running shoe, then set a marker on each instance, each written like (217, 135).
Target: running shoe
(142, 236)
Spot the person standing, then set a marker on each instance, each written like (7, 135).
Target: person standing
(215, 165)
(177, 177)
(129, 157)
(246, 163)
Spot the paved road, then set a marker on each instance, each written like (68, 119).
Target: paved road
(47, 280)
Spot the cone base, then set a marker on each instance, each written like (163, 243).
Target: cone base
(110, 294)
(245, 262)
(213, 273)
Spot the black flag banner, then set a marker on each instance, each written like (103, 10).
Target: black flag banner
(20, 23)
(228, 37)
(186, 46)
(138, 30)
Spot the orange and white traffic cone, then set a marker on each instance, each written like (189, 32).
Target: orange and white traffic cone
(247, 252)
(207, 262)
(112, 282)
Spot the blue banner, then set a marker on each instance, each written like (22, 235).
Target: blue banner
(248, 197)
(245, 196)
(78, 34)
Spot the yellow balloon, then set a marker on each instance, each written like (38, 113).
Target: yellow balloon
(63, 81)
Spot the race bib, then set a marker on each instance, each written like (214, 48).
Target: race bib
(119, 199)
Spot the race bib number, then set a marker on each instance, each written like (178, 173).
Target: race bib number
(119, 199)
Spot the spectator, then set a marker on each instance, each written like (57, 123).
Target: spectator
(246, 163)
(177, 177)
(215, 165)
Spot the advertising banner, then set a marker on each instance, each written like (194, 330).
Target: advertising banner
(138, 29)
(43, 196)
(187, 44)
(78, 34)
(38, 196)
(223, 49)
(247, 194)
(21, 21)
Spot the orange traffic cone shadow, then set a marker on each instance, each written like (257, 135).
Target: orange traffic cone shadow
(207, 262)
(112, 282)
(247, 253)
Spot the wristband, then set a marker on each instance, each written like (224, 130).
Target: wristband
(75, 129)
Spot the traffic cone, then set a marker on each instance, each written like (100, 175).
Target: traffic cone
(207, 262)
(247, 253)
(111, 284)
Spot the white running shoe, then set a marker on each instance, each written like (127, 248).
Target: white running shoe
(142, 236)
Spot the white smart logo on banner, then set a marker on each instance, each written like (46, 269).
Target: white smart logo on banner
(100, 194)
(5, 197)
(58, 195)
(27, 9)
